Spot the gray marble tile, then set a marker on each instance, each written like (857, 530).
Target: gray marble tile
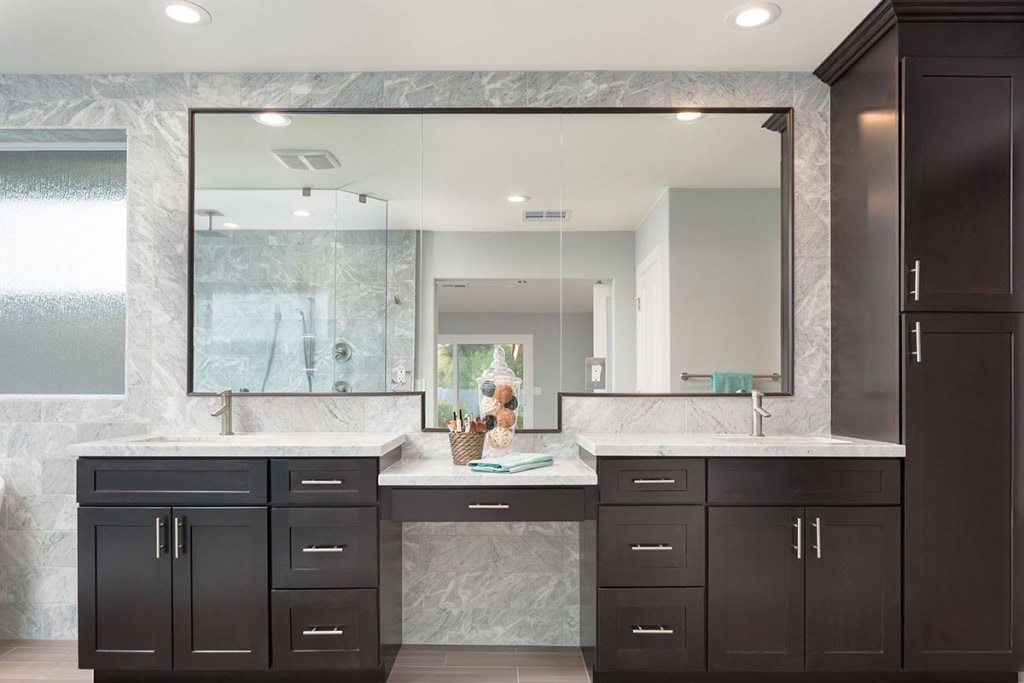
(341, 90)
(215, 90)
(20, 410)
(277, 90)
(625, 89)
(707, 89)
(553, 88)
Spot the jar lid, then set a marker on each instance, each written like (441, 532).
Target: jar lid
(498, 371)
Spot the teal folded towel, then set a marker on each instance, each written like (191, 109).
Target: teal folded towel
(731, 382)
(512, 463)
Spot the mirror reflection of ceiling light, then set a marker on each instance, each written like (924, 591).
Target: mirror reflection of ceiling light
(689, 116)
(301, 213)
(185, 12)
(273, 118)
(230, 225)
(517, 198)
(753, 15)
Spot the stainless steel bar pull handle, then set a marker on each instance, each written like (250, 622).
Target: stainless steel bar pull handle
(323, 631)
(159, 536)
(654, 481)
(324, 549)
(817, 537)
(650, 546)
(799, 547)
(177, 538)
(488, 506)
(652, 630)
(916, 291)
(322, 482)
(916, 353)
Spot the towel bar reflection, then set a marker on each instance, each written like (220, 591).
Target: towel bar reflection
(687, 376)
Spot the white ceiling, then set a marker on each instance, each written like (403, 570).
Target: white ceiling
(454, 171)
(125, 36)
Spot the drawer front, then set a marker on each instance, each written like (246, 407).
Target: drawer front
(646, 481)
(650, 629)
(324, 547)
(810, 481)
(334, 629)
(324, 481)
(172, 481)
(485, 504)
(660, 545)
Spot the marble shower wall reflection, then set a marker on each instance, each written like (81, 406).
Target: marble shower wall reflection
(259, 293)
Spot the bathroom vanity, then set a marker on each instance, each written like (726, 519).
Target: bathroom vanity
(279, 557)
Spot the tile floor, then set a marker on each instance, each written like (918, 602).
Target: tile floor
(56, 660)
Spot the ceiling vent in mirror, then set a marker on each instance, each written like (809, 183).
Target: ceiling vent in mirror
(454, 285)
(306, 159)
(546, 216)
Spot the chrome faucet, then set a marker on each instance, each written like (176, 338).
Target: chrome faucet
(758, 413)
(224, 413)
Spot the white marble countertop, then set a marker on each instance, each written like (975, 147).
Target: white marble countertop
(737, 446)
(251, 445)
(441, 472)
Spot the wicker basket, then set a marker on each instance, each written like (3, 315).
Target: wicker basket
(466, 446)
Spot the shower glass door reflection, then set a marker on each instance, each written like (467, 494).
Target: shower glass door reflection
(462, 359)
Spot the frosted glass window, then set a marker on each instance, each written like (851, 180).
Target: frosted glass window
(63, 251)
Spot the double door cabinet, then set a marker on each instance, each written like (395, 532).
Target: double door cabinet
(765, 565)
(268, 567)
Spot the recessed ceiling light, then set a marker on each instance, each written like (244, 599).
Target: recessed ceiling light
(273, 118)
(230, 225)
(185, 12)
(517, 198)
(754, 15)
(302, 213)
(689, 116)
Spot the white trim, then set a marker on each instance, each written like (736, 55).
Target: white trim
(526, 340)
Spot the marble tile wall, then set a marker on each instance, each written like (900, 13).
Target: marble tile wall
(37, 537)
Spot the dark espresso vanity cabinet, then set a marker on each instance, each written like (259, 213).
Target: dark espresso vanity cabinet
(927, 119)
(712, 567)
(278, 568)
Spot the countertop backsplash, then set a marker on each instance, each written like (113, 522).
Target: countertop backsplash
(443, 563)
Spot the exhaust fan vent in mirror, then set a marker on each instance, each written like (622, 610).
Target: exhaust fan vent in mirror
(306, 159)
(546, 216)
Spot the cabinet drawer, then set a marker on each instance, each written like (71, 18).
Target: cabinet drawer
(324, 481)
(650, 629)
(660, 545)
(172, 481)
(324, 547)
(811, 481)
(334, 629)
(485, 504)
(644, 481)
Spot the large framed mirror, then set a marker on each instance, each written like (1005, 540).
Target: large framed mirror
(605, 251)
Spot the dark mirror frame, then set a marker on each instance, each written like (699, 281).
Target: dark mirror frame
(780, 120)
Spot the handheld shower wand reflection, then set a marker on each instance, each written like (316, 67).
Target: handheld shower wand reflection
(273, 348)
(308, 342)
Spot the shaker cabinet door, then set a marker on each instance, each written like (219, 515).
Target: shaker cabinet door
(964, 438)
(124, 588)
(755, 589)
(853, 597)
(221, 597)
(963, 184)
